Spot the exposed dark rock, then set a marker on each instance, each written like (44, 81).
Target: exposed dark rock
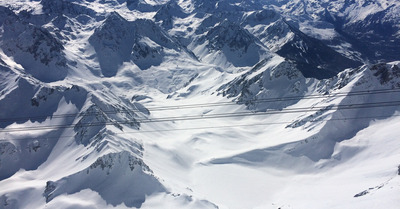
(50, 188)
(65, 7)
(361, 193)
(314, 58)
(385, 73)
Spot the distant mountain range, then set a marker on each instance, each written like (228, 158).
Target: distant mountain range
(199, 104)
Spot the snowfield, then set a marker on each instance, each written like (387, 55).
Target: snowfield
(199, 104)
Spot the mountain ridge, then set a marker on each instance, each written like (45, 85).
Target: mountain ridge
(199, 104)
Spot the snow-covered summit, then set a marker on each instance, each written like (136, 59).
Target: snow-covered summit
(229, 41)
(141, 41)
(35, 48)
(199, 104)
(168, 12)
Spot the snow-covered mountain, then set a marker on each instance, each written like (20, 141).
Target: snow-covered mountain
(199, 104)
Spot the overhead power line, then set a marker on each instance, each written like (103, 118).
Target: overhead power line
(230, 126)
(277, 99)
(213, 116)
(203, 105)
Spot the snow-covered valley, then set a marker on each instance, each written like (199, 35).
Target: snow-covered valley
(199, 104)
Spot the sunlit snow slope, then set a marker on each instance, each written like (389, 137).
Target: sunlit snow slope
(225, 104)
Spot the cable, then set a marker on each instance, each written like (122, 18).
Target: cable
(315, 96)
(191, 106)
(213, 116)
(230, 126)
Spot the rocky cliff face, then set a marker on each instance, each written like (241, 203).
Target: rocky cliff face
(199, 104)
(33, 47)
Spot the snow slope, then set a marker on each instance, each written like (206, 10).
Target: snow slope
(199, 104)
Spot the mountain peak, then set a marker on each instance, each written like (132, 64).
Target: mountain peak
(231, 34)
(199, 104)
(65, 7)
